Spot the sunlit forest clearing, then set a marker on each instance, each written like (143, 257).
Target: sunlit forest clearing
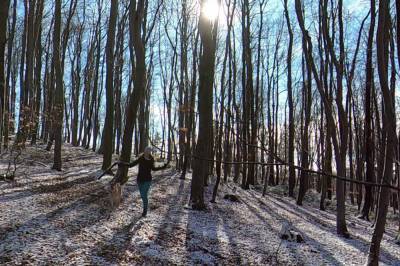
(211, 132)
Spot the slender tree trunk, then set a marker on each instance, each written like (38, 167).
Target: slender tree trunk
(304, 178)
(382, 39)
(369, 138)
(4, 5)
(292, 173)
(38, 72)
(9, 88)
(59, 92)
(109, 121)
(136, 14)
(339, 148)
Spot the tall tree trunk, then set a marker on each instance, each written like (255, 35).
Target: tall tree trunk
(208, 33)
(35, 106)
(136, 14)
(339, 148)
(304, 178)
(59, 92)
(109, 121)
(4, 5)
(368, 135)
(76, 88)
(9, 88)
(292, 173)
(382, 45)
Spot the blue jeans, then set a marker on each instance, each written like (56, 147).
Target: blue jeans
(144, 188)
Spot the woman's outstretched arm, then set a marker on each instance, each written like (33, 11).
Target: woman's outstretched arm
(131, 164)
(158, 168)
(134, 163)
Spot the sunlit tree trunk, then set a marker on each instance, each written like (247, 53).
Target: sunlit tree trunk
(208, 33)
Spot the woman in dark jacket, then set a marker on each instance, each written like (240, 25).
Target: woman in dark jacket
(146, 165)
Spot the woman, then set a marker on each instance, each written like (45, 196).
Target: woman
(146, 165)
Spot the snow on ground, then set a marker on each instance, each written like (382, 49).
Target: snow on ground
(48, 217)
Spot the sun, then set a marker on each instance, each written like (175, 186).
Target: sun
(210, 9)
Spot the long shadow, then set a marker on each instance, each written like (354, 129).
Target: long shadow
(114, 249)
(15, 196)
(59, 187)
(308, 239)
(168, 227)
(175, 202)
(90, 212)
(228, 219)
(42, 224)
(79, 197)
(233, 243)
(327, 228)
(103, 211)
(32, 183)
(44, 188)
(321, 214)
(202, 227)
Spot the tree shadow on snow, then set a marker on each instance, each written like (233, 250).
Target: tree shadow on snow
(269, 213)
(325, 227)
(203, 230)
(114, 249)
(170, 232)
(117, 248)
(53, 224)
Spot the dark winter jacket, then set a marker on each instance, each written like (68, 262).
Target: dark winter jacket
(145, 168)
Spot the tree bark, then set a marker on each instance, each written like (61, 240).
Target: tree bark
(4, 5)
(109, 121)
(208, 30)
(368, 135)
(136, 14)
(382, 46)
(59, 92)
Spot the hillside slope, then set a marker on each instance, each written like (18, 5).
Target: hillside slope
(64, 218)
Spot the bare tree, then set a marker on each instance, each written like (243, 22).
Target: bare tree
(382, 48)
(59, 92)
(136, 16)
(4, 5)
(369, 138)
(339, 148)
(208, 34)
(109, 121)
(292, 173)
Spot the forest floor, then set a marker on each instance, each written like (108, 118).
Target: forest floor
(49, 217)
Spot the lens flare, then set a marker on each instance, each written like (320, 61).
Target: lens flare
(210, 9)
